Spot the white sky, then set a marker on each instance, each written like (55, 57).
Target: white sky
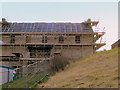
(106, 12)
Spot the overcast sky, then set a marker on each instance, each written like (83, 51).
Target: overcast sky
(105, 12)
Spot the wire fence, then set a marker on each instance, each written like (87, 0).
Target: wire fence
(28, 76)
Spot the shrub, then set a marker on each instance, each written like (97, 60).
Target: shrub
(58, 63)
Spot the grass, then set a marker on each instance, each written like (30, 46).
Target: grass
(25, 82)
(96, 71)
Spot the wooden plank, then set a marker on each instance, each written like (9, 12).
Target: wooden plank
(25, 59)
(51, 44)
(51, 33)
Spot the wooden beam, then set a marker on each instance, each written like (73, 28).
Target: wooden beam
(39, 59)
(48, 33)
(25, 44)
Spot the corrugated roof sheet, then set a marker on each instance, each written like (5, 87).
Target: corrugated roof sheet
(46, 27)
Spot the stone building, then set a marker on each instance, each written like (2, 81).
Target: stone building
(24, 43)
(116, 44)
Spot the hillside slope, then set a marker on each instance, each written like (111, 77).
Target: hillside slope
(96, 71)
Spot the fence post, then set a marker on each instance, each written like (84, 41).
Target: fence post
(8, 74)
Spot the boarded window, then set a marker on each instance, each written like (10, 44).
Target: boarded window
(12, 39)
(77, 39)
(39, 53)
(61, 39)
(28, 39)
(44, 39)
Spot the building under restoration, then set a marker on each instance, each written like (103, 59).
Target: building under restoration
(116, 44)
(23, 43)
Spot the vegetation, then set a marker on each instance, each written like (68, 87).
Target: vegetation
(58, 63)
(96, 71)
(25, 82)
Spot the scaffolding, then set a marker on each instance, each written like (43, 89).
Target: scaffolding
(28, 44)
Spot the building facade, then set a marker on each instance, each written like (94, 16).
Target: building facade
(116, 44)
(23, 43)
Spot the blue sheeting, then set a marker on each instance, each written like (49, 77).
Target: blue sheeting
(6, 67)
(45, 27)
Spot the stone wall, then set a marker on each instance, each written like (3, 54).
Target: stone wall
(13, 63)
(75, 52)
(6, 39)
(8, 50)
(21, 39)
(70, 51)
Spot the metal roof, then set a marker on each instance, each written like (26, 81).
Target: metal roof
(46, 27)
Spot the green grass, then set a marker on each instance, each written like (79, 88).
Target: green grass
(25, 82)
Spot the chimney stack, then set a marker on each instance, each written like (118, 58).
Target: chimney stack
(4, 23)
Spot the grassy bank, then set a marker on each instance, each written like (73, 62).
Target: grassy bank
(96, 71)
(25, 82)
